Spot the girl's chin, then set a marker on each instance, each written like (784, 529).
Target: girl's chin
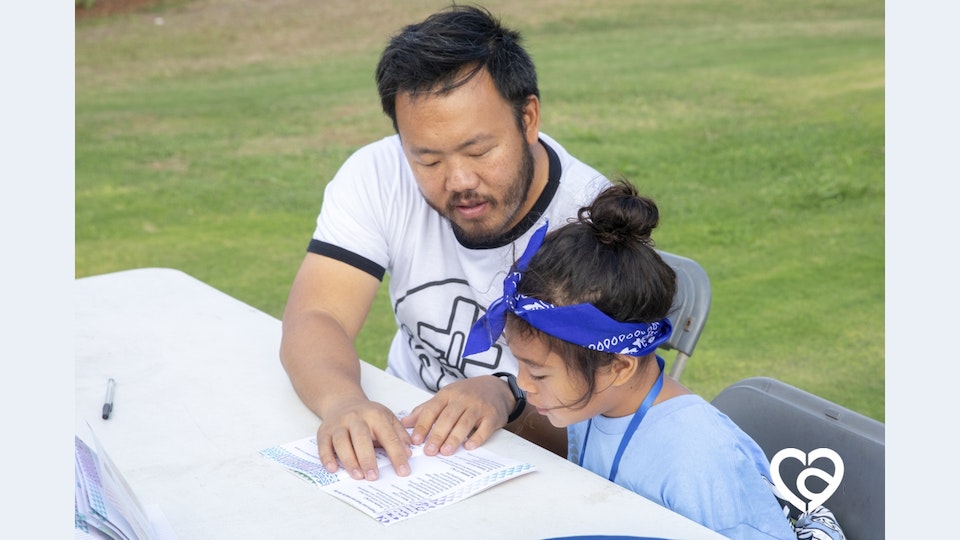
(554, 420)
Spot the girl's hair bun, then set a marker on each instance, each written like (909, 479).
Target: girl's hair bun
(621, 216)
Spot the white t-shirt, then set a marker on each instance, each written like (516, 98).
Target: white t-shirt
(375, 218)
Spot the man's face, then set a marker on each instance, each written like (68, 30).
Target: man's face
(471, 161)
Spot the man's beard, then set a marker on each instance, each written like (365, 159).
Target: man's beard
(513, 200)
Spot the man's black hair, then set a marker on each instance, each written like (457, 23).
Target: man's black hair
(446, 50)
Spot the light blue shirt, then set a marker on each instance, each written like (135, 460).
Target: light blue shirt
(689, 457)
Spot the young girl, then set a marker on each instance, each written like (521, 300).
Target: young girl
(584, 314)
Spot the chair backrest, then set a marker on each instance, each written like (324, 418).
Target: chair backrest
(820, 453)
(690, 309)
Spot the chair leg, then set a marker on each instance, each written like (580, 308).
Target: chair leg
(679, 363)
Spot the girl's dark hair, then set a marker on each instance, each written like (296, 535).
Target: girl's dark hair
(606, 258)
(446, 50)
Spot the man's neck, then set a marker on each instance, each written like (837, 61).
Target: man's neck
(541, 173)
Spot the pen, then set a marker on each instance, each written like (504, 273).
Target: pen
(108, 399)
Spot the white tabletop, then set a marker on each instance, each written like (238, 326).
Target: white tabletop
(200, 391)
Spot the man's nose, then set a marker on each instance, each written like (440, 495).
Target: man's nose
(460, 176)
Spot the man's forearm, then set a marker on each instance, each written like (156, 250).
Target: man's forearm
(321, 361)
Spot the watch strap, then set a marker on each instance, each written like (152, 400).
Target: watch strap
(517, 394)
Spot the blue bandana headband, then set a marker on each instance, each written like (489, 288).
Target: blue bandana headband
(580, 324)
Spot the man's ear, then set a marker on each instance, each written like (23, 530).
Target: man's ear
(531, 119)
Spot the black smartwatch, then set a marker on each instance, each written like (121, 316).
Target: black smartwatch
(517, 394)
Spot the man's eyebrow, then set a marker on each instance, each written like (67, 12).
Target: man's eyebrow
(479, 139)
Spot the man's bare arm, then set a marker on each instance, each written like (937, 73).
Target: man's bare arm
(328, 304)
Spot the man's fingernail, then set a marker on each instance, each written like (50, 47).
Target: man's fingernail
(356, 474)
(430, 449)
(371, 474)
(403, 470)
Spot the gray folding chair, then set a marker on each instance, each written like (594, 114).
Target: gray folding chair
(823, 454)
(690, 309)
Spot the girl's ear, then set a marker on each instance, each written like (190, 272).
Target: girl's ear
(623, 368)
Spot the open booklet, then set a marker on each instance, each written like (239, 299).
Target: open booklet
(104, 505)
(435, 481)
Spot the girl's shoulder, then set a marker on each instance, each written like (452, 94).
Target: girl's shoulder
(692, 424)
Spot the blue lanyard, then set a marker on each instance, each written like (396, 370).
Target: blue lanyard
(632, 427)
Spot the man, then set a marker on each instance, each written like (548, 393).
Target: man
(444, 206)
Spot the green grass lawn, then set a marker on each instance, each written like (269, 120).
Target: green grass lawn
(204, 143)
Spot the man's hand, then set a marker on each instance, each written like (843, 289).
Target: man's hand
(468, 410)
(352, 429)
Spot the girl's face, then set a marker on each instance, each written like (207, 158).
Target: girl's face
(551, 387)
